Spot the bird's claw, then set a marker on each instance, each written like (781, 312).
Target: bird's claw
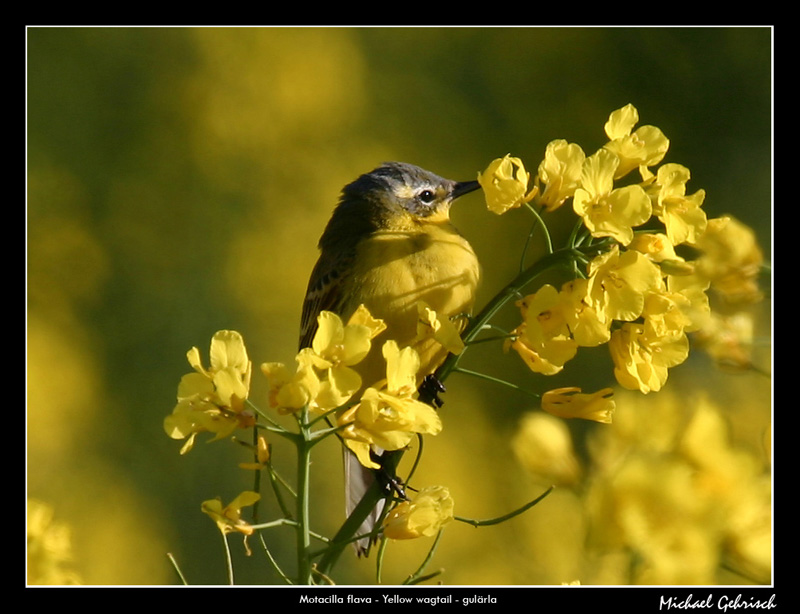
(430, 389)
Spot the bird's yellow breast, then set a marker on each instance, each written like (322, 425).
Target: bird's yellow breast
(396, 269)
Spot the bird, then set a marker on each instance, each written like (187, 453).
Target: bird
(388, 245)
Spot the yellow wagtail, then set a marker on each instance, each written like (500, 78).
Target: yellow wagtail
(388, 245)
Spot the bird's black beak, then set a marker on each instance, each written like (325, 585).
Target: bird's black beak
(464, 187)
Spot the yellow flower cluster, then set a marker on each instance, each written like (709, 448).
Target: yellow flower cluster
(623, 287)
(213, 400)
(387, 415)
(638, 295)
(324, 378)
(423, 516)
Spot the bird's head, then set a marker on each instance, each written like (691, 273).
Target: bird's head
(394, 196)
(397, 193)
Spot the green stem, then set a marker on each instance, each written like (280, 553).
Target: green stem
(496, 380)
(177, 568)
(540, 222)
(272, 560)
(416, 460)
(499, 519)
(228, 560)
(418, 576)
(286, 522)
(275, 481)
(502, 337)
(578, 234)
(303, 488)
(379, 561)
(273, 426)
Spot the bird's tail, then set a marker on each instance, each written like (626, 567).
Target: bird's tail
(357, 480)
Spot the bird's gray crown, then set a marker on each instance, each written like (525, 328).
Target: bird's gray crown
(398, 178)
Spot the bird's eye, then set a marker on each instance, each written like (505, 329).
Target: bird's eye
(426, 196)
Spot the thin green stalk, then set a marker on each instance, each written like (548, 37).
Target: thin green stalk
(177, 568)
(275, 481)
(332, 412)
(418, 576)
(492, 521)
(379, 561)
(303, 490)
(416, 460)
(273, 426)
(272, 560)
(228, 559)
(496, 380)
(502, 337)
(540, 222)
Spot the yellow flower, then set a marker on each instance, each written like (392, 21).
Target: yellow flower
(588, 328)
(430, 510)
(390, 417)
(49, 549)
(645, 147)
(543, 340)
(660, 249)
(324, 379)
(619, 282)
(336, 348)
(681, 215)
(572, 403)
(560, 171)
(666, 314)
(213, 400)
(693, 287)
(430, 324)
(229, 517)
(229, 370)
(292, 391)
(543, 446)
(505, 184)
(731, 259)
(642, 360)
(609, 212)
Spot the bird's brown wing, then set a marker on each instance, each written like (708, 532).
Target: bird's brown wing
(324, 293)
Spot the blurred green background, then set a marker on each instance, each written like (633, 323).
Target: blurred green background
(178, 180)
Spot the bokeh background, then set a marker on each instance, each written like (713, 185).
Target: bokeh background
(178, 180)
